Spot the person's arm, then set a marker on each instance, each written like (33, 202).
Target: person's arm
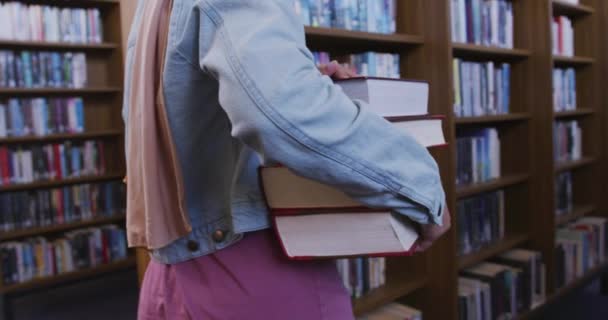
(283, 107)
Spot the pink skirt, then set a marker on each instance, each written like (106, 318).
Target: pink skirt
(248, 280)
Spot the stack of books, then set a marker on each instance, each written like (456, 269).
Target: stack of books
(483, 22)
(58, 161)
(300, 207)
(564, 197)
(580, 246)
(481, 221)
(372, 64)
(22, 22)
(564, 89)
(478, 156)
(361, 275)
(563, 36)
(481, 89)
(39, 257)
(510, 284)
(568, 141)
(41, 116)
(27, 69)
(393, 311)
(40, 208)
(358, 15)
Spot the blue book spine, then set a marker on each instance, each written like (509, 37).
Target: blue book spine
(57, 74)
(75, 161)
(305, 12)
(476, 22)
(79, 115)
(326, 13)
(17, 123)
(338, 14)
(362, 14)
(507, 87)
(62, 157)
(26, 60)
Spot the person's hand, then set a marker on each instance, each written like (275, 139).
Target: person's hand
(431, 232)
(336, 71)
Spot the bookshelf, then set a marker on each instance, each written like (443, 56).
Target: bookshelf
(424, 43)
(102, 99)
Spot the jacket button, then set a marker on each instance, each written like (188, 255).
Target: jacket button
(192, 245)
(219, 235)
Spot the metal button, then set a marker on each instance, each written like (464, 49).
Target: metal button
(219, 235)
(192, 245)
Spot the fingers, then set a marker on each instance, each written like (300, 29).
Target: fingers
(337, 71)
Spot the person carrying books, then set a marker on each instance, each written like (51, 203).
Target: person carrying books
(213, 90)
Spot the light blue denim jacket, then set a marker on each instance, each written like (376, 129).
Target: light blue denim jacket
(242, 90)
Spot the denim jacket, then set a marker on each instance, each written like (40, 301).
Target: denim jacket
(241, 90)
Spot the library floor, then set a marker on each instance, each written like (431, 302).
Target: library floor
(115, 297)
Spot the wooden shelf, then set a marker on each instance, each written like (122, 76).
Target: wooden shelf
(75, 3)
(500, 183)
(336, 37)
(30, 232)
(387, 294)
(561, 8)
(59, 183)
(67, 277)
(562, 292)
(577, 212)
(570, 165)
(574, 113)
(61, 46)
(500, 118)
(576, 61)
(59, 91)
(466, 50)
(63, 136)
(503, 245)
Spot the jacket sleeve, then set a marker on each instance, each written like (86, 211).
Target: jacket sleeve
(280, 105)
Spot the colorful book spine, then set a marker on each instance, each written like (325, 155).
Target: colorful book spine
(374, 64)
(482, 22)
(478, 156)
(564, 89)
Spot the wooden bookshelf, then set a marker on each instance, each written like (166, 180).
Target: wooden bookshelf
(57, 228)
(465, 50)
(571, 165)
(57, 46)
(58, 91)
(102, 134)
(60, 182)
(387, 294)
(574, 113)
(490, 120)
(337, 36)
(69, 277)
(102, 120)
(569, 9)
(509, 242)
(575, 61)
(496, 184)
(577, 212)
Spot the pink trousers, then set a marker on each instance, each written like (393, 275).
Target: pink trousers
(249, 280)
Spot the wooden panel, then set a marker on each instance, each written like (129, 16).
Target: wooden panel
(53, 229)
(59, 183)
(471, 51)
(509, 242)
(387, 294)
(494, 119)
(57, 46)
(577, 212)
(496, 184)
(68, 136)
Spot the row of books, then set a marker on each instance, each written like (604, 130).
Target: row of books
(481, 88)
(393, 311)
(39, 257)
(22, 22)
(563, 36)
(51, 161)
(373, 64)
(483, 22)
(580, 246)
(564, 89)
(41, 69)
(359, 15)
(564, 195)
(41, 208)
(41, 116)
(361, 275)
(503, 287)
(567, 140)
(481, 221)
(477, 156)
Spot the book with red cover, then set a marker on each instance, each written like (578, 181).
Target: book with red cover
(313, 220)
